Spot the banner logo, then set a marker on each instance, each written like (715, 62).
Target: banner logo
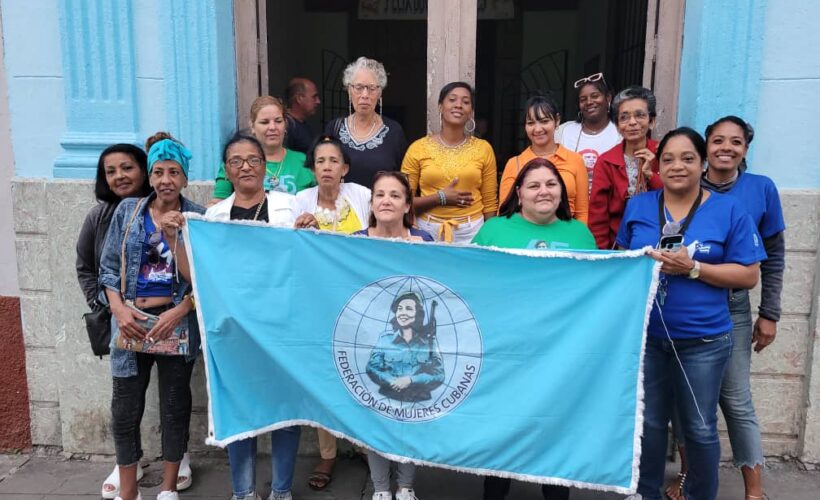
(408, 348)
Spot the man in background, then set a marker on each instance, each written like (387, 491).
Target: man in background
(302, 99)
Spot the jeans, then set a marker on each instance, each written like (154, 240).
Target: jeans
(128, 405)
(242, 456)
(704, 362)
(736, 392)
(736, 389)
(497, 488)
(380, 472)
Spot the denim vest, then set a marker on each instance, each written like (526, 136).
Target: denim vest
(124, 363)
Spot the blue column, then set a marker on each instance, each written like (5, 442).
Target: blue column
(721, 61)
(200, 71)
(100, 86)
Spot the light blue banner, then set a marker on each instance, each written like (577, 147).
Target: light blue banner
(518, 365)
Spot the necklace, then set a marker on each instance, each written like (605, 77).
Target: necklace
(259, 208)
(581, 131)
(451, 146)
(544, 155)
(274, 179)
(355, 133)
(328, 217)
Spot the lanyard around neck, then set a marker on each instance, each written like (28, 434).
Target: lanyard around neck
(691, 215)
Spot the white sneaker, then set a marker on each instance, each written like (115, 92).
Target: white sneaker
(168, 495)
(636, 496)
(139, 496)
(406, 494)
(250, 496)
(382, 495)
(280, 496)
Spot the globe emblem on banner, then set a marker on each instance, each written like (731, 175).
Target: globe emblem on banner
(408, 348)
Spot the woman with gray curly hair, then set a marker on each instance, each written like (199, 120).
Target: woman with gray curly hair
(373, 141)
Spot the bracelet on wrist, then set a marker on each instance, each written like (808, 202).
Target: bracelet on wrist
(442, 197)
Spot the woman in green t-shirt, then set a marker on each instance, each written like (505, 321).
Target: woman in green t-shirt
(536, 214)
(285, 169)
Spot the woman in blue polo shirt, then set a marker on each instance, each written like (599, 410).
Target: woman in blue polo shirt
(727, 142)
(690, 329)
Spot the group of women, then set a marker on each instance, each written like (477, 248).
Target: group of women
(599, 182)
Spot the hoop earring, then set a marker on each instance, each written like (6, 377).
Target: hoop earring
(381, 108)
(470, 129)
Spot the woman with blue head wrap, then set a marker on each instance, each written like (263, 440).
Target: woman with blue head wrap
(144, 248)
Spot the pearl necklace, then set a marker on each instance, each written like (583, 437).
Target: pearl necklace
(355, 133)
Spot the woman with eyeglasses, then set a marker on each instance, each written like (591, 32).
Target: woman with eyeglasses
(627, 169)
(370, 140)
(342, 207)
(451, 172)
(592, 133)
(144, 248)
(707, 245)
(244, 159)
(284, 170)
(540, 119)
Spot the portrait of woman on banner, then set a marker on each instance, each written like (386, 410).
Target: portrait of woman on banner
(406, 362)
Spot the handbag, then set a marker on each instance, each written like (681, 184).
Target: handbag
(98, 326)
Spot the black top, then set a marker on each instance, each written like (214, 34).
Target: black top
(90, 246)
(300, 136)
(384, 151)
(239, 213)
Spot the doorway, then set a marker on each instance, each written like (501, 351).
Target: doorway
(318, 38)
(544, 48)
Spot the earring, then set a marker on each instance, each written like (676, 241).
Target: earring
(440, 122)
(381, 108)
(470, 128)
(350, 107)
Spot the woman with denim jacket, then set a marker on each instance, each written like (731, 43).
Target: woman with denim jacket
(122, 172)
(155, 269)
(707, 244)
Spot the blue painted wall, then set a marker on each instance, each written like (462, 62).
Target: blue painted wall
(40, 117)
(757, 59)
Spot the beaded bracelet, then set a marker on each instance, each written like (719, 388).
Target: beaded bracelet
(442, 197)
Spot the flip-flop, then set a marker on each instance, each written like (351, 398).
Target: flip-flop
(114, 480)
(184, 472)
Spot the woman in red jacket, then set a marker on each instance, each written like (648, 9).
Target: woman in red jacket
(627, 169)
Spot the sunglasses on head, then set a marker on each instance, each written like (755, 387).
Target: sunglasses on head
(589, 79)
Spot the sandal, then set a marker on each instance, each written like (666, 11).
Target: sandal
(674, 490)
(184, 477)
(319, 479)
(113, 480)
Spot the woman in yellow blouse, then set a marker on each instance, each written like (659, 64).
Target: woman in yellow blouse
(540, 122)
(452, 173)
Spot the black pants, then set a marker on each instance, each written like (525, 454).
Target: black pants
(497, 488)
(128, 405)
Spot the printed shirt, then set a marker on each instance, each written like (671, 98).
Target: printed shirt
(431, 166)
(288, 176)
(589, 146)
(721, 232)
(518, 232)
(572, 170)
(154, 279)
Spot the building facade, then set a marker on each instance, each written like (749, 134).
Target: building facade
(79, 75)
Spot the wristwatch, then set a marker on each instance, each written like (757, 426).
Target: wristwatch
(694, 273)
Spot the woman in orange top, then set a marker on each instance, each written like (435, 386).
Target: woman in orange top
(452, 174)
(540, 122)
